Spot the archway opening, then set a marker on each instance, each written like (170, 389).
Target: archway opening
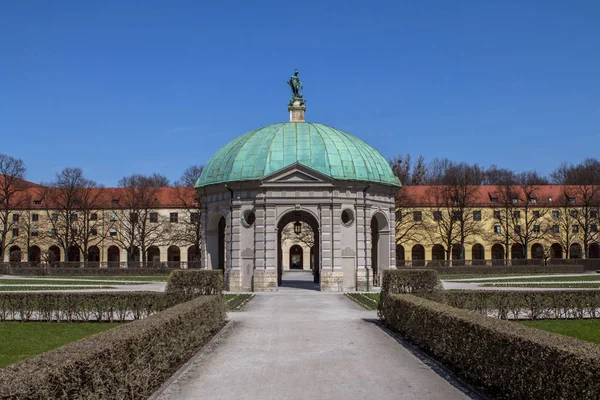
(478, 254)
(380, 246)
(418, 255)
(153, 255)
(193, 257)
(173, 256)
(556, 251)
(594, 250)
(298, 227)
(114, 256)
(296, 261)
(35, 254)
(216, 249)
(73, 254)
(438, 253)
(575, 251)
(537, 251)
(53, 254)
(94, 254)
(14, 254)
(517, 252)
(497, 254)
(400, 256)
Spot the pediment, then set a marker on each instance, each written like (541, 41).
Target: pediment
(297, 174)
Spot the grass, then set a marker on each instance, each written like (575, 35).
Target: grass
(370, 301)
(595, 278)
(17, 288)
(236, 302)
(557, 285)
(451, 277)
(22, 340)
(61, 282)
(582, 329)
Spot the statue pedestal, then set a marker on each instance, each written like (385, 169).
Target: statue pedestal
(297, 108)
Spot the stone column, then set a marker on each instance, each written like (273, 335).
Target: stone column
(265, 278)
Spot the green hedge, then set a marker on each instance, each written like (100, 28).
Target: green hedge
(130, 361)
(70, 307)
(508, 359)
(184, 285)
(521, 304)
(512, 269)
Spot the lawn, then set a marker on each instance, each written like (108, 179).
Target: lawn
(63, 282)
(451, 277)
(236, 302)
(556, 285)
(583, 329)
(370, 301)
(22, 340)
(581, 278)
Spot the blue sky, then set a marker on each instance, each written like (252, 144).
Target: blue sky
(122, 87)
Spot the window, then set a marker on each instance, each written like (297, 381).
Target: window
(536, 229)
(517, 228)
(593, 214)
(573, 213)
(555, 214)
(437, 216)
(37, 202)
(477, 215)
(514, 200)
(35, 217)
(455, 200)
(516, 214)
(174, 217)
(112, 232)
(195, 217)
(571, 200)
(457, 215)
(417, 216)
(16, 217)
(555, 228)
(73, 217)
(15, 232)
(549, 198)
(497, 214)
(53, 232)
(594, 228)
(494, 199)
(93, 217)
(133, 217)
(533, 200)
(73, 231)
(196, 200)
(575, 228)
(497, 229)
(94, 231)
(112, 217)
(153, 217)
(35, 232)
(536, 214)
(115, 202)
(54, 217)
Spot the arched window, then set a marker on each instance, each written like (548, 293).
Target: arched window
(575, 251)
(400, 255)
(173, 256)
(114, 256)
(418, 255)
(438, 253)
(35, 254)
(14, 254)
(53, 254)
(497, 254)
(594, 250)
(74, 255)
(556, 251)
(478, 254)
(516, 252)
(94, 254)
(153, 254)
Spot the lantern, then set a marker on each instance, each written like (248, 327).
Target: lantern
(297, 227)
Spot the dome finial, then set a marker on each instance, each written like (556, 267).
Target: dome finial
(297, 105)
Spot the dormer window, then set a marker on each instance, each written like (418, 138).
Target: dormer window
(533, 200)
(571, 200)
(494, 199)
(37, 202)
(514, 200)
(549, 198)
(115, 202)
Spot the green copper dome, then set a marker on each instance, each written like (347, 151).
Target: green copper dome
(327, 150)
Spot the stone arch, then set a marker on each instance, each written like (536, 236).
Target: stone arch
(193, 256)
(94, 254)
(296, 253)
(497, 253)
(54, 254)
(594, 250)
(380, 244)
(113, 256)
(133, 254)
(215, 241)
(400, 255)
(35, 254)
(153, 254)
(174, 256)
(556, 251)
(477, 252)
(73, 254)
(517, 252)
(438, 253)
(308, 218)
(537, 251)
(14, 254)
(418, 255)
(575, 251)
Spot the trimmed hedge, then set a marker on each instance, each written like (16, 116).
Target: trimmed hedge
(515, 304)
(70, 307)
(508, 359)
(512, 269)
(130, 361)
(184, 285)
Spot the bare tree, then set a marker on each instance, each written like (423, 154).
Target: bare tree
(12, 173)
(72, 202)
(139, 224)
(306, 235)
(587, 198)
(189, 229)
(503, 215)
(190, 176)
(565, 228)
(585, 173)
(443, 224)
(407, 228)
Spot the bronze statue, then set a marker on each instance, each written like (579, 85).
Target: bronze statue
(295, 85)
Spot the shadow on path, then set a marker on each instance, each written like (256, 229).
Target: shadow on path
(432, 363)
(302, 280)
